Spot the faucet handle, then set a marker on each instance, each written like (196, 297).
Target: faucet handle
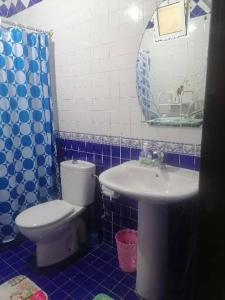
(158, 155)
(161, 155)
(155, 154)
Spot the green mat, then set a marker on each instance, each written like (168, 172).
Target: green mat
(102, 297)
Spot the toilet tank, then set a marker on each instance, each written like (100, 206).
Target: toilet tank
(78, 182)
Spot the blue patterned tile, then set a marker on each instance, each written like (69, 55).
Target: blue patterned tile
(109, 283)
(90, 147)
(82, 155)
(128, 281)
(75, 145)
(125, 222)
(69, 154)
(75, 155)
(150, 25)
(99, 276)
(107, 204)
(133, 214)
(68, 144)
(90, 157)
(98, 263)
(41, 281)
(79, 293)
(120, 290)
(80, 278)
(119, 275)
(187, 162)
(116, 228)
(115, 151)
(135, 153)
(59, 279)
(98, 159)
(125, 153)
(197, 163)
(107, 236)
(115, 207)
(107, 269)
(131, 296)
(3, 10)
(106, 257)
(133, 203)
(115, 161)
(81, 146)
(50, 287)
(59, 294)
(99, 289)
(172, 159)
(90, 269)
(106, 150)
(88, 297)
(98, 252)
(133, 224)
(89, 284)
(113, 296)
(107, 161)
(125, 211)
(98, 149)
(107, 225)
(90, 258)
(197, 12)
(71, 271)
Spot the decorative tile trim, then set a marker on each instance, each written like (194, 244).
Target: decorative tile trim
(169, 147)
(9, 8)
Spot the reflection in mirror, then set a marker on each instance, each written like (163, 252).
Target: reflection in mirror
(172, 64)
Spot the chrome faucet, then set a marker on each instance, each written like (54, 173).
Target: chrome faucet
(158, 159)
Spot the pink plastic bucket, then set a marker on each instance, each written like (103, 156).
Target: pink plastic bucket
(126, 241)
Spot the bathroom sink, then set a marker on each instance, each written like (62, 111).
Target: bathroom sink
(151, 184)
(154, 189)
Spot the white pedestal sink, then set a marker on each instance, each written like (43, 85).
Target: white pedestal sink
(155, 189)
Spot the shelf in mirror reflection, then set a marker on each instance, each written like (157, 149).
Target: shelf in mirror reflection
(175, 122)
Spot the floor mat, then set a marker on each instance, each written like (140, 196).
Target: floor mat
(21, 288)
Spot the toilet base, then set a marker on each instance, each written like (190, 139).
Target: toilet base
(56, 250)
(49, 253)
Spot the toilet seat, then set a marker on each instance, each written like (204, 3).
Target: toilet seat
(45, 214)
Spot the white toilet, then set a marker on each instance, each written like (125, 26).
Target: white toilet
(55, 226)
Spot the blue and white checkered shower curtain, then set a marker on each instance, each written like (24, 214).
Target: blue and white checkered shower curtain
(28, 172)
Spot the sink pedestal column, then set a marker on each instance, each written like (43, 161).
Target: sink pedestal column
(151, 282)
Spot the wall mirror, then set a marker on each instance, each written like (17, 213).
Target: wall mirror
(172, 64)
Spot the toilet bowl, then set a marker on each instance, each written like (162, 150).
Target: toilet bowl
(56, 226)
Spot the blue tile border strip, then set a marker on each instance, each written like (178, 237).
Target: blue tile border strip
(132, 144)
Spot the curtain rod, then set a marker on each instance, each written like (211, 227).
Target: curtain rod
(7, 22)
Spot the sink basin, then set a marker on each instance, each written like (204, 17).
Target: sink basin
(151, 183)
(154, 189)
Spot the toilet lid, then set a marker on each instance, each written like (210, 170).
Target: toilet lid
(44, 214)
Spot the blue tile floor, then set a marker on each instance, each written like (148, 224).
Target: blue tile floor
(80, 278)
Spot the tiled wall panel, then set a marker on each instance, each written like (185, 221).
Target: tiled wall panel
(106, 152)
(96, 44)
